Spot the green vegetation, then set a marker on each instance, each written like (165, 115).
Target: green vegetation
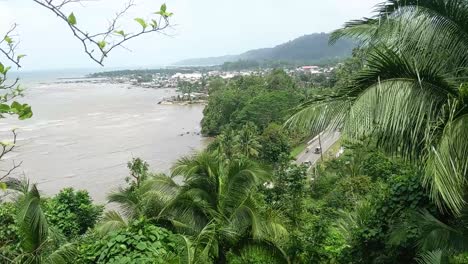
(408, 100)
(396, 195)
(141, 242)
(260, 100)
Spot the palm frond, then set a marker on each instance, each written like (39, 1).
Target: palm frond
(33, 227)
(362, 30)
(431, 257)
(63, 255)
(317, 116)
(112, 221)
(267, 251)
(187, 255)
(128, 200)
(447, 166)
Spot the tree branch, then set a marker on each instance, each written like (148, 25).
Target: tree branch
(10, 46)
(98, 45)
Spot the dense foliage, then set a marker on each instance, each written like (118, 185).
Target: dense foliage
(72, 212)
(140, 242)
(260, 100)
(395, 195)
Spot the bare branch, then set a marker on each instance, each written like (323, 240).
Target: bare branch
(8, 172)
(7, 148)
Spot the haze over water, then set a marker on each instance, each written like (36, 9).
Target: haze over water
(83, 134)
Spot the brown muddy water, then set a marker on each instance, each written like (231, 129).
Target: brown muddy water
(83, 134)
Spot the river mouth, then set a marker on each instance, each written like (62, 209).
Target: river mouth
(83, 134)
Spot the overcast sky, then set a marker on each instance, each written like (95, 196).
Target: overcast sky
(202, 28)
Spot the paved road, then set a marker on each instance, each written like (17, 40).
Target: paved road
(328, 139)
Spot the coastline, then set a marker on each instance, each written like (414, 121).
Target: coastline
(76, 121)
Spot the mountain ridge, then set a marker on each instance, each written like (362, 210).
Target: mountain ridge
(307, 48)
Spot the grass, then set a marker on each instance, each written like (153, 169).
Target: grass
(298, 149)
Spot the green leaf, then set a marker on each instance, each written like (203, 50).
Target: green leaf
(5, 71)
(19, 57)
(102, 44)
(15, 107)
(154, 23)
(72, 19)
(26, 113)
(2, 68)
(4, 108)
(142, 22)
(141, 246)
(120, 32)
(22, 110)
(8, 40)
(163, 9)
(3, 186)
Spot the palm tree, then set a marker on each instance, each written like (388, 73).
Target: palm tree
(217, 201)
(224, 146)
(436, 237)
(411, 95)
(247, 141)
(214, 205)
(39, 242)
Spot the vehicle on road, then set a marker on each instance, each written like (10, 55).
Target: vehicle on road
(318, 150)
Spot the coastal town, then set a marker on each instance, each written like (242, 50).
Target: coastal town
(192, 82)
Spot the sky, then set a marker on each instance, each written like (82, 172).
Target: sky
(200, 28)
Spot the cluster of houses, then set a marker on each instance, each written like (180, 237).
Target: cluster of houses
(314, 69)
(164, 80)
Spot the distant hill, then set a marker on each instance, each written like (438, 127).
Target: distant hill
(308, 48)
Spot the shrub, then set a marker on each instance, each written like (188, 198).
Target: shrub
(348, 191)
(72, 212)
(9, 240)
(141, 242)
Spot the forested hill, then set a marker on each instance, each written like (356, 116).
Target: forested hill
(308, 48)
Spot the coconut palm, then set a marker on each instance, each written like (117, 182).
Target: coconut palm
(39, 242)
(411, 95)
(247, 141)
(217, 201)
(436, 238)
(214, 205)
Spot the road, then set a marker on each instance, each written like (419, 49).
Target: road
(328, 139)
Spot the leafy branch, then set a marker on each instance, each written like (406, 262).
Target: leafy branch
(98, 45)
(8, 46)
(5, 148)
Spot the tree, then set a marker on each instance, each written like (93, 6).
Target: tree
(218, 202)
(72, 212)
(216, 207)
(267, 108)
(408, 95)
(275, 143)
(38, 242)
(279, 80)
(247, 141)
(186, 87)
